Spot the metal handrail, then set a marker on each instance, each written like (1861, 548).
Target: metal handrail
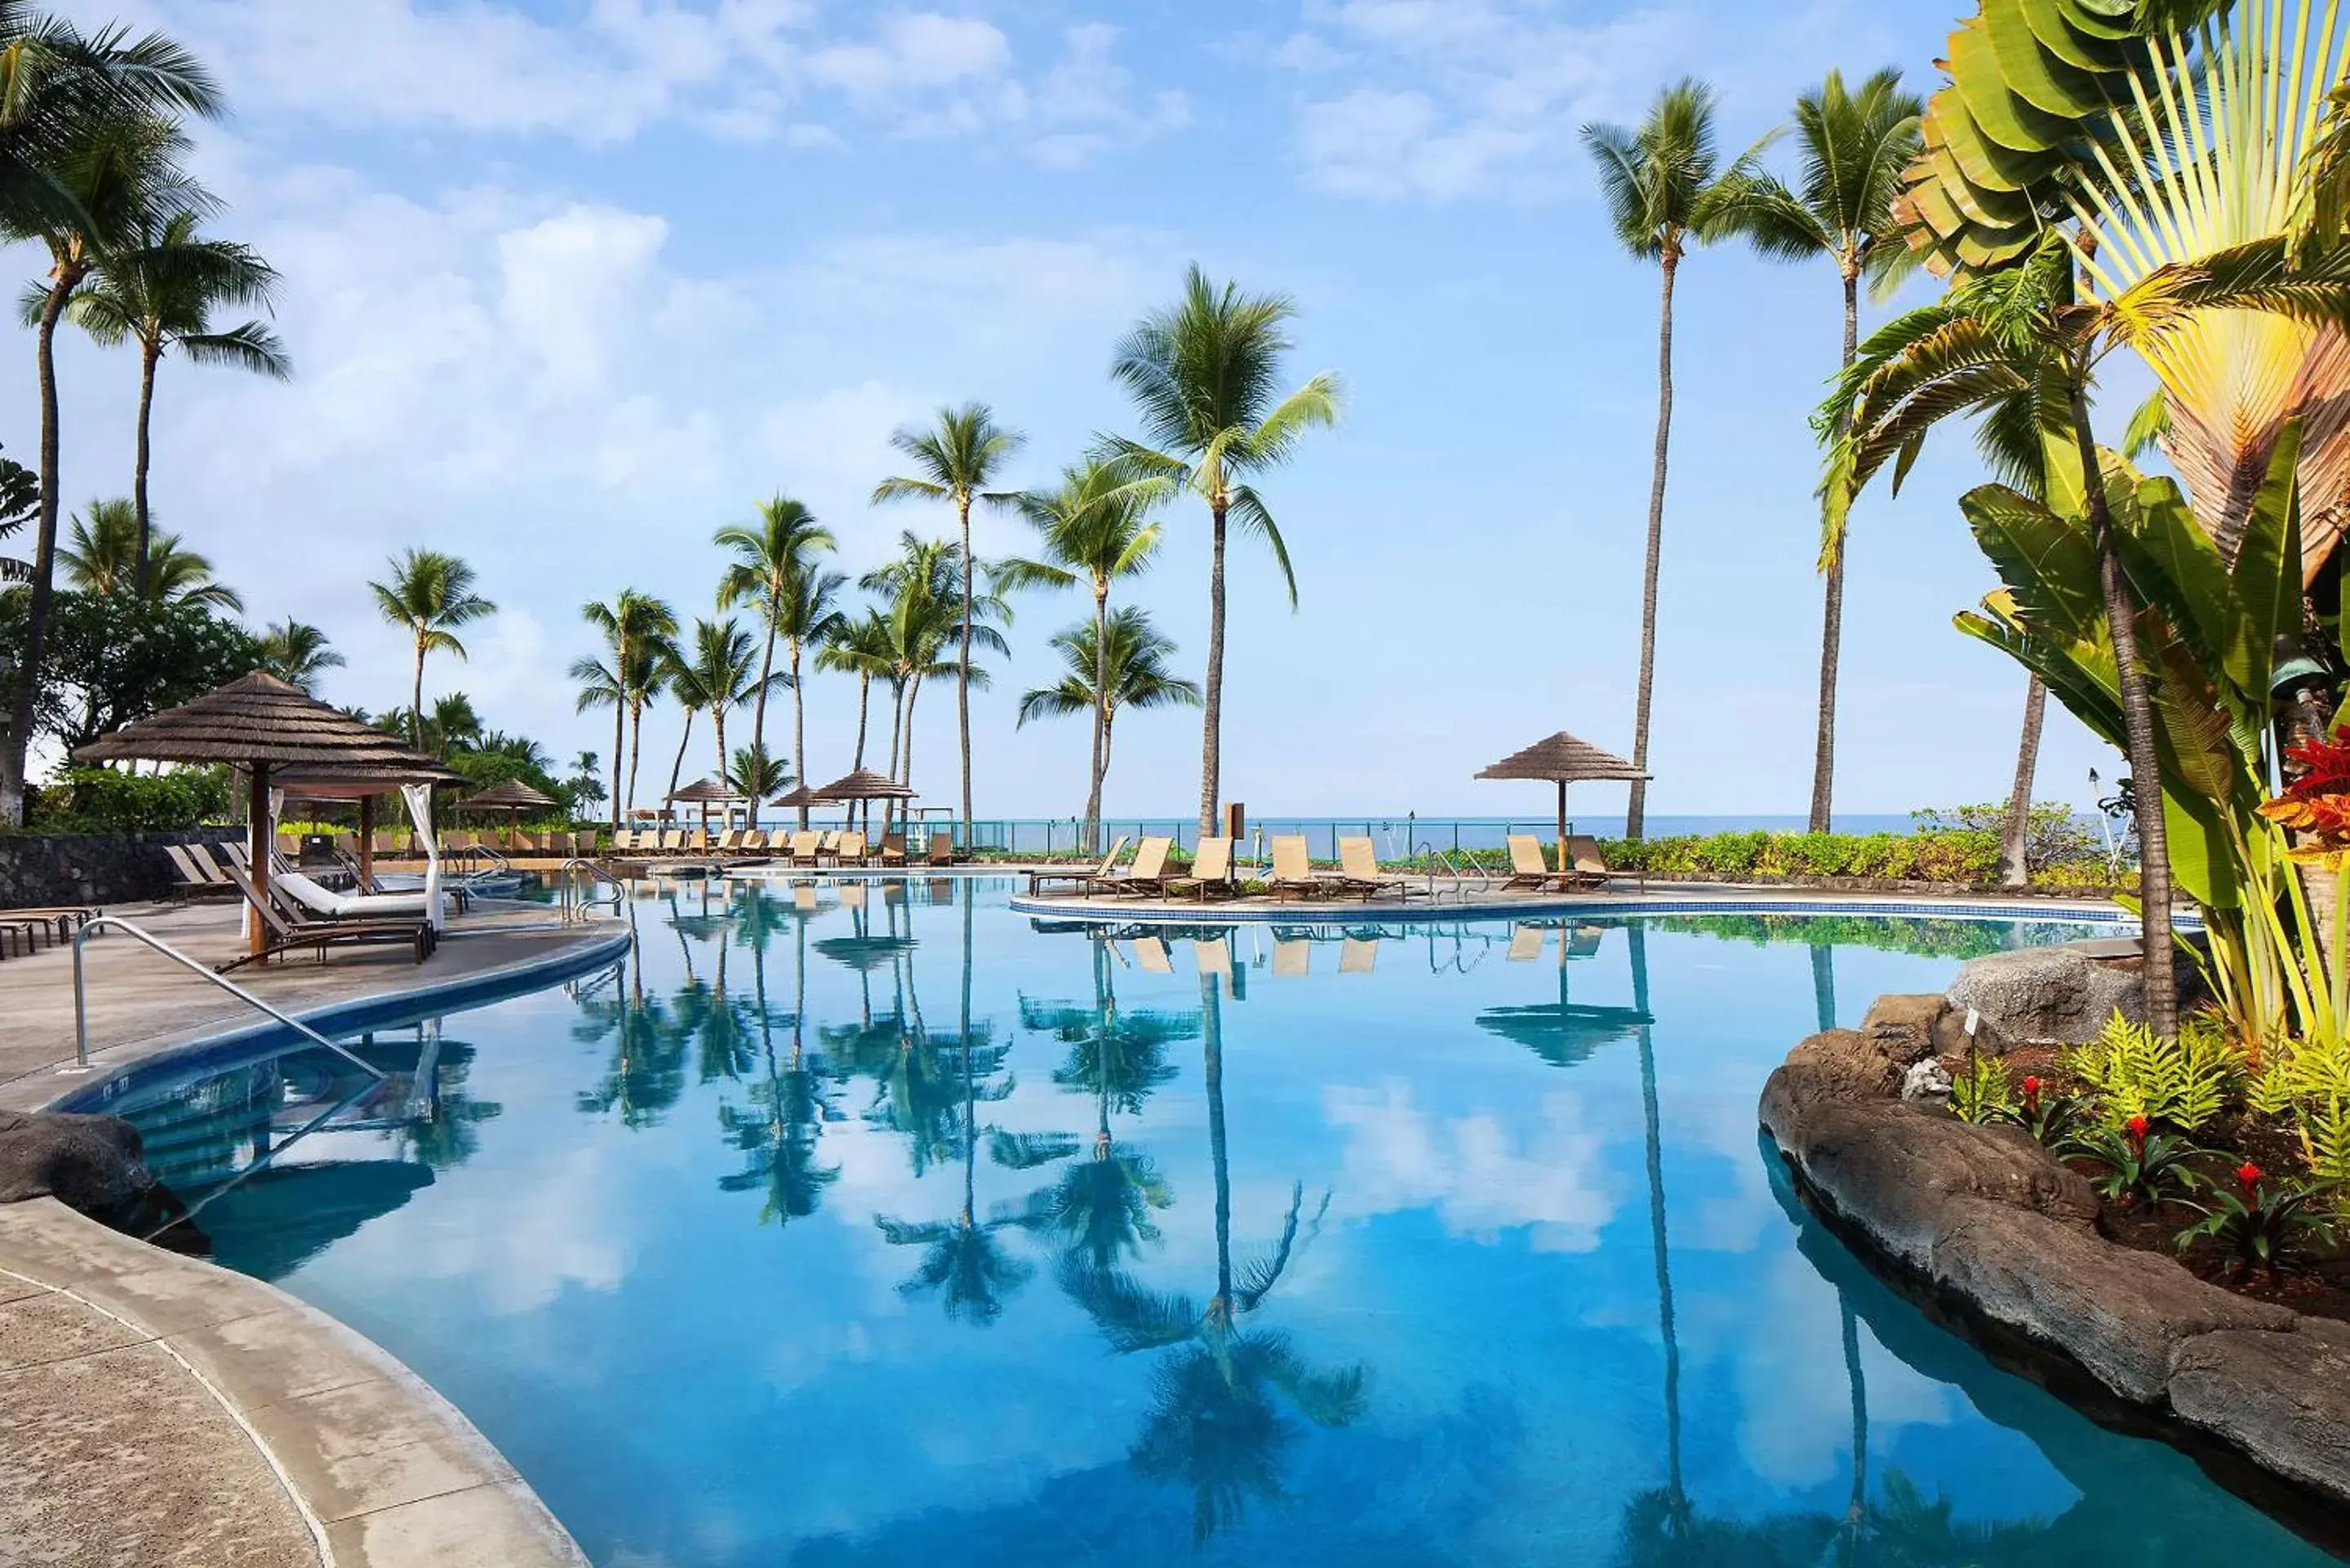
(566, 880)
(116, 922)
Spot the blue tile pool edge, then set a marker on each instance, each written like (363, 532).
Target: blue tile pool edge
(350, 1015)
(1111, 911)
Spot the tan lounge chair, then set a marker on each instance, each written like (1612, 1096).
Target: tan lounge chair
(1084, 879)
(1293, 869)
(1211, 875)
(941, 851)
(850, 850)
(805, 844)
(1147, 877)
(1527, 870)
(1358, 872)
(188, 877)
(893, 849)
(1587, 868)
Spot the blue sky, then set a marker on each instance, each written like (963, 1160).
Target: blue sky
(571, 283)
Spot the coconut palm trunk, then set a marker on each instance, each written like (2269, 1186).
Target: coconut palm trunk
(1636, 813)
(636, 745)
(45, 553)
(1101, 718)
(1212, 749)
(677, 766)
(620, 727)
(906, 808)
(963, 667)
(416, 697)
(718, 721)
(2137, 719)
(759, 703)
(2014, 837)
(149, 352)
(1832, 613)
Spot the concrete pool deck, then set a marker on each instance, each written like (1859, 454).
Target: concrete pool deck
(162, 1409)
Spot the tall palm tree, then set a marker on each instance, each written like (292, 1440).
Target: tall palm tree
(161, 291)
(86, 153)
(1134, 656)
(723, 668)
(101, 557)
(862, 648)
(1096, 528)
(930, 601)
(431, 594)
(956, 459)
(1665, 192)
(298, 653)
(633, 625)
(682, 680)
(1204, 373)
(775, 571)
(1851, 148)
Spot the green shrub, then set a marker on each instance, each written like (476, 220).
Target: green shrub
(1983, 1093)
(102, 800)
(2183, 1081)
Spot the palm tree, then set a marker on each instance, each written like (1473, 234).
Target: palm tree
(1203, 374)
(101, 557)
(633, 625)
(862, 648)
(1665, 192)
(429, 592)
(453, 725)
(1094, 529)
(1851, 148)
(1135, 656)
(298, 653)
(956, 459)
(774, 569)
(682, 680)
(161, 290)
(754, 775)
(723, 669)
(931, 600)
(586, 788)
(2023, 344)
(86, 155)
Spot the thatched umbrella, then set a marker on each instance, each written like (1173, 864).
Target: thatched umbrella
(799, 800)
(270, 728)
(1563, 760)
(706, 793)
(512, 796)
(361, 784)
(866, 784)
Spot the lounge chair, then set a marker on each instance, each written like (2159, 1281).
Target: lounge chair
(290, 932)
(827, 846)
(1036, 879)
(1147, 877)
(942, 849)
(1358, 872)
(58, 924)
(893, 849)
(754, 841)
(328, 905)
(188, 877)
(850, 850)
(806, 843)
(1527, 871)
(1587, 868)
(729, 842)
(1293, 870)
(1211, 875)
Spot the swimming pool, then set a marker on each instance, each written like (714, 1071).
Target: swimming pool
(872, 1224)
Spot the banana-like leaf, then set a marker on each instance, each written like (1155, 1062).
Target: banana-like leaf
(2267, 562)
(2036, 75)
(2172, 562)
(2047, 563)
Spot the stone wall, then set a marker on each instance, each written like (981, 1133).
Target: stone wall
(44, 868)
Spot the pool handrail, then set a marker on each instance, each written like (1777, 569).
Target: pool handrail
(116, 922)
(567, 878)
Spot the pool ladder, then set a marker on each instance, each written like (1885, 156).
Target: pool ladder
(577, 902)
(141, 934)
(1452, 868)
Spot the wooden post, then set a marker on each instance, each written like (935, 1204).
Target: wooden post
(1562, 830)
(258, 844)
(367, 843)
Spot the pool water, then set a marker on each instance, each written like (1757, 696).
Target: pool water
(867, 1225)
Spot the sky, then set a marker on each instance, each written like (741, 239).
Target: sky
(569, 285)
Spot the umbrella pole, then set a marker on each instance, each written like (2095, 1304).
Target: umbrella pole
(257, 848)
(367, 843)
(1562, 829)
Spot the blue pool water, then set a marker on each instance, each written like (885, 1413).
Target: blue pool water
(882, 1227)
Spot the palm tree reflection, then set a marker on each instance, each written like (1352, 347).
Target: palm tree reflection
(779, 1130)
(1217, 1423)
(647, 1071)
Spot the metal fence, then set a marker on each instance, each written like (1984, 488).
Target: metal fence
(1394, 837)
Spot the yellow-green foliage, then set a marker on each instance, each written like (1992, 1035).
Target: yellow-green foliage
(2184, 1082)
(1984, 1091)
(2326, 1138)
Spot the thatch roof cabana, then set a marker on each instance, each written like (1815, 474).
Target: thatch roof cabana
(280, 734)
(865, 784)
(512, 794)
(1563, 759)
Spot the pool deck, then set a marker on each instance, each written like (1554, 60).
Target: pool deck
(160, 1409)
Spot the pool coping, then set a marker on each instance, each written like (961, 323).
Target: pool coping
(1730, 898)
(384, 1470)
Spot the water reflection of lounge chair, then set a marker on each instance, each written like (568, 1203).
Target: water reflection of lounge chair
(1525, 943)
(1291, 956)
(1213, 955)
(1150, 952)
(1585, 942)
(1357, 955)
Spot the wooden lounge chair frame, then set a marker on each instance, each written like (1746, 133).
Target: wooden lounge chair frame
(1146, 877)
(1358, 872)
(1211, 875)
(292, 933)
(1299, 881)
(1084, 879)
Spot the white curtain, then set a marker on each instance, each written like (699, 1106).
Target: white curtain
(419, 797)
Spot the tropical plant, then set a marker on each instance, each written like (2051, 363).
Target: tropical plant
(20, 503)
(1665, 192)
(723, 669)
(101, 556)
(1095, 528)
(1984, 1092)
(774, 570)
(636, 627)
(860, 647)
(298, 653)
(925, 587)
(2055, 1121)
(681, 682)
(114, 660)
(160, 289)
(1204, 374)
(963, 453)
(87, 154)
(2260, 1221)
(429, 594)
(2181, 1081)
(2140, 1166)
(754, 775)
(582, 783)
(1135, 655)
(1851, 148)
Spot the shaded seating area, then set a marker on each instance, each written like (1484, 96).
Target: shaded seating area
(1561, 758)
(286, 928)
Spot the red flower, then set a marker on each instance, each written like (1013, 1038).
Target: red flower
(2248, 1176)
(2032, 1094)
(2138, 1126)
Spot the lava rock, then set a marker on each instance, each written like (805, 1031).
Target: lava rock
(87, 1163)
(2123, 1314)
(2283, 1399)
(2045, 996)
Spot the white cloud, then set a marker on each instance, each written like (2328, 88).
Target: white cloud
(913, 52)
(1470, 1171)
